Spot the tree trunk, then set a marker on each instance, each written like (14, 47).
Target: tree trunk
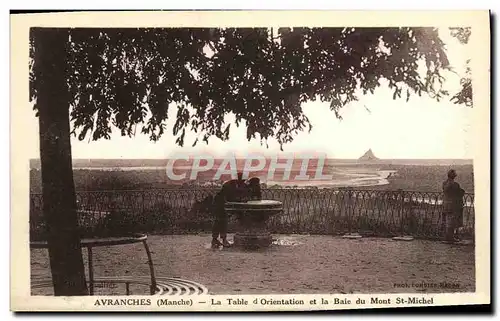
(59, 199)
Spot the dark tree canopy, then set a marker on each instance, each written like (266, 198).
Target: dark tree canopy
(129, 77)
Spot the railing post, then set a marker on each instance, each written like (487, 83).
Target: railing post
(401, 212)
(345, 201)
(350, 211)
(402, 216)
(143, 205)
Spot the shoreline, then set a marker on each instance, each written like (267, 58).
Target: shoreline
(376, 177)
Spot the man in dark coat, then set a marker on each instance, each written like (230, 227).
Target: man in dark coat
(452, 206)
(234, 190)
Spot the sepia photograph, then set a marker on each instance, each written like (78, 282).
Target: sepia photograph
(227, 160)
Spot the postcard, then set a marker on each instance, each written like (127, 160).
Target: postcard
(249, 160)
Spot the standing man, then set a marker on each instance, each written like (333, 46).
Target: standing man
(452, 206)
(232, 191)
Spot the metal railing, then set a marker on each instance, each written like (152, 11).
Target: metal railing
(313, 211)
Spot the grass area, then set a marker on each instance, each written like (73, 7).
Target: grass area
(425, 178)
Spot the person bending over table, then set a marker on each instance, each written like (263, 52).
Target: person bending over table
(234, 190)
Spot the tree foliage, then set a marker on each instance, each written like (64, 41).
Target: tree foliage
(129, 77)
(464, 96)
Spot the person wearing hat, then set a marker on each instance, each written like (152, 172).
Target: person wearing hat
(452, 206)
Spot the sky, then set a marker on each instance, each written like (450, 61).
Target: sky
(394, 129)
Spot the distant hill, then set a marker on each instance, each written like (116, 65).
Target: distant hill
(368, 157)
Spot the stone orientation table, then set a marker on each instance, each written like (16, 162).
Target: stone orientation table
(252, 217)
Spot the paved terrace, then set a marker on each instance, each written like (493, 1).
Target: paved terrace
(297, 264)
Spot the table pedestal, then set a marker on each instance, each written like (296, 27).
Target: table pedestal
(253, 232)
(252, 218)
